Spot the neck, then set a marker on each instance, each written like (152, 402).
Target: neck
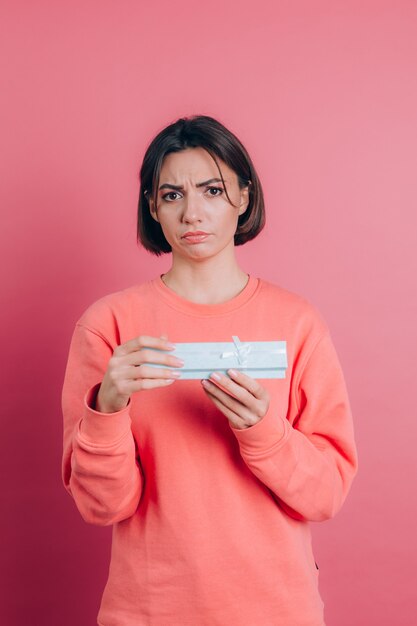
(211, 281)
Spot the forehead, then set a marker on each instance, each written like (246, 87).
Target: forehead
(195, 164)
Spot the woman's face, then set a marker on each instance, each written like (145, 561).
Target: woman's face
(192, 208)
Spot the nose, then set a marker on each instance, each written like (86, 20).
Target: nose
(192, 208)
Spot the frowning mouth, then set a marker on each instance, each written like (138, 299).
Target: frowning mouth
(195, 236)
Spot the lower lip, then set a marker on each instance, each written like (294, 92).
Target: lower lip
(195, 238)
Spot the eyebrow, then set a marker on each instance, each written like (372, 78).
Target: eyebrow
(180, 187)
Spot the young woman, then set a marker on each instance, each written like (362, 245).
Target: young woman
(210, 485)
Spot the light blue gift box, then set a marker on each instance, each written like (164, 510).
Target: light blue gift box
(258, 359)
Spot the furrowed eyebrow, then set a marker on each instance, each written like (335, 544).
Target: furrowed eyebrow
(180, 188)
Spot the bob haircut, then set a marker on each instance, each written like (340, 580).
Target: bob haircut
(198, 131)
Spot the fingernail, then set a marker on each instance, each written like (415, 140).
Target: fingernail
(176, 374)
(233, 372)
(179, 361)
(170, 346)
(215, 376)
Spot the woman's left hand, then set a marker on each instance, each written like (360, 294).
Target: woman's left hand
(242, 399)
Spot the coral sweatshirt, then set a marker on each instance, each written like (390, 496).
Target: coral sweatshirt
(210, 523)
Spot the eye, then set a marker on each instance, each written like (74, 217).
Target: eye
(215, 189)
(170, 193)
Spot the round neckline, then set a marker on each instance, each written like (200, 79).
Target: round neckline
(187, 306)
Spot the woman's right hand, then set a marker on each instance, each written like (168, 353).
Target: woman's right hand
(126, 373)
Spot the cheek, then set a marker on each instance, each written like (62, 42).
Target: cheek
(166, 222)
(167, 232)
(230, 221)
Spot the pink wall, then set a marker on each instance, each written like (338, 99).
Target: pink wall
(324, 96)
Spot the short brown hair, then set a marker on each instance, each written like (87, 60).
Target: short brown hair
(198, 131)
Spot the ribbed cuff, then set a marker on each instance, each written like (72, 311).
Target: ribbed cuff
(103, 428)
(264, 435)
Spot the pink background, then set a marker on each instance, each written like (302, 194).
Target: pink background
(324, 96)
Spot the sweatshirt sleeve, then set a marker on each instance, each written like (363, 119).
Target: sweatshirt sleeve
(309, 461)
(100, 468)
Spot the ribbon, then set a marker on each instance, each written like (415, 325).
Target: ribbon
(241, 352)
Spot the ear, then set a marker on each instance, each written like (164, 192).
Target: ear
(244, 200)
(152, 209)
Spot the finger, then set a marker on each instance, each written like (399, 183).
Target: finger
(233, 388)
(153, 356)
(233, 417)
(249, 383)
(143, 341)
(229, 403)
(152, 383)
(148, 372)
